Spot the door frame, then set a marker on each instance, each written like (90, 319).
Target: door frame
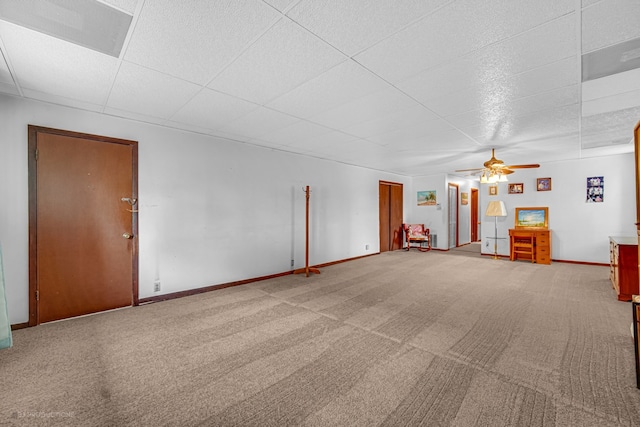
(399, 214)
(32, 165)
(475, 223)
(457, 190)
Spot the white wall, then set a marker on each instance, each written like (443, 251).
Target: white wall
(211, 211)
(580, 230)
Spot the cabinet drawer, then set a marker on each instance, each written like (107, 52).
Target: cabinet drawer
(542, 250)
(543, 259)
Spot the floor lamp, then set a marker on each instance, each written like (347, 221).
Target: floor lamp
(495, 209)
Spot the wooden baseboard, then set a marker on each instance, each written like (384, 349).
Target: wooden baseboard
(19, 326)
(189, 292)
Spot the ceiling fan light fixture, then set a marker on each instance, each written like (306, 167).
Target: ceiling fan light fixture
(502, 178)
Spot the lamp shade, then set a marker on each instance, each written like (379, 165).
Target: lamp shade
(496, 208)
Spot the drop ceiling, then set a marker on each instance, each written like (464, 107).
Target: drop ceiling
(414, 87)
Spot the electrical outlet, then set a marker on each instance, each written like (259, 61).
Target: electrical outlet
(156, 286)
(366, 247)
(292, 264)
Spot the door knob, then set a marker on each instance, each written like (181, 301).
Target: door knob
(127, 235)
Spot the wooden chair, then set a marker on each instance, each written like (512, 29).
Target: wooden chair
(417, 233)
(523, 245)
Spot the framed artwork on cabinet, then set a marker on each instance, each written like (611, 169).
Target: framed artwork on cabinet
(537, 218)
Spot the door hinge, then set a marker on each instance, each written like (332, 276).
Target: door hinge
(37, 295)
(36, 154)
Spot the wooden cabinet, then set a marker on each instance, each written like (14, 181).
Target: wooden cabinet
(541, 251)
(623, 254)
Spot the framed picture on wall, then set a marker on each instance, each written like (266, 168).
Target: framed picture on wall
(517, 188)
(543, 184)
(493, 190)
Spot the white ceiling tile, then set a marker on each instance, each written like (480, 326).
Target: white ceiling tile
(540, 125)
(194, 40)
(71, 71)
(433, 134)
(282, 59)
(391, 121)
(440, 140)
(365, 108)
(481, 23)
(609, 22)
(514, 72)
(144, 91)
(502, 102)
(130, 115)
(336, 86)
(354, 25)
(622, 120)
(586, 3)
(360, 151)
(416, 130)
(325, 143)
(281, 5)
(128, 6)
(298, 132)
(5, 74)
(211, 110)
(259, 122)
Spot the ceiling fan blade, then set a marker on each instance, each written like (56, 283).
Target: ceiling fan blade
(523, 166)
(470, 170)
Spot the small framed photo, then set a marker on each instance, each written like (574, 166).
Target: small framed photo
(517, 188)
(543, 184)
(493, 190)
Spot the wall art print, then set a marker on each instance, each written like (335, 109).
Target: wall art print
(427, 198)
(595, 189)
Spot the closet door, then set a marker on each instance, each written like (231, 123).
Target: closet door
(390, 211)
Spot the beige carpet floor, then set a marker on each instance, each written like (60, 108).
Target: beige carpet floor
(397, 339)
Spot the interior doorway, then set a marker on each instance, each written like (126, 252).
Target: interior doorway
(453, 215)
(475, 224)
(83, 222)
(391, 215)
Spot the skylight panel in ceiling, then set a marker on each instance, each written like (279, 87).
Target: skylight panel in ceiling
(87, 23)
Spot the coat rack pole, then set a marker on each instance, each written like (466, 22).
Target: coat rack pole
(306, 268)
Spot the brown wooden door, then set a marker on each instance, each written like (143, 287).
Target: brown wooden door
(474, 215)
(83, 249)
(390, 201)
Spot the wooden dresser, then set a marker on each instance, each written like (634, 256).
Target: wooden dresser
(541, 253)
(623, 258)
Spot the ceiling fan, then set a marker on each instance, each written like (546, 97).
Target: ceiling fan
(495, 170)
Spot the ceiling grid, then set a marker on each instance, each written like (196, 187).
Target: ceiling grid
(413, 87)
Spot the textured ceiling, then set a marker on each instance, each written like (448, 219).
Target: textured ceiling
(414, 87)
